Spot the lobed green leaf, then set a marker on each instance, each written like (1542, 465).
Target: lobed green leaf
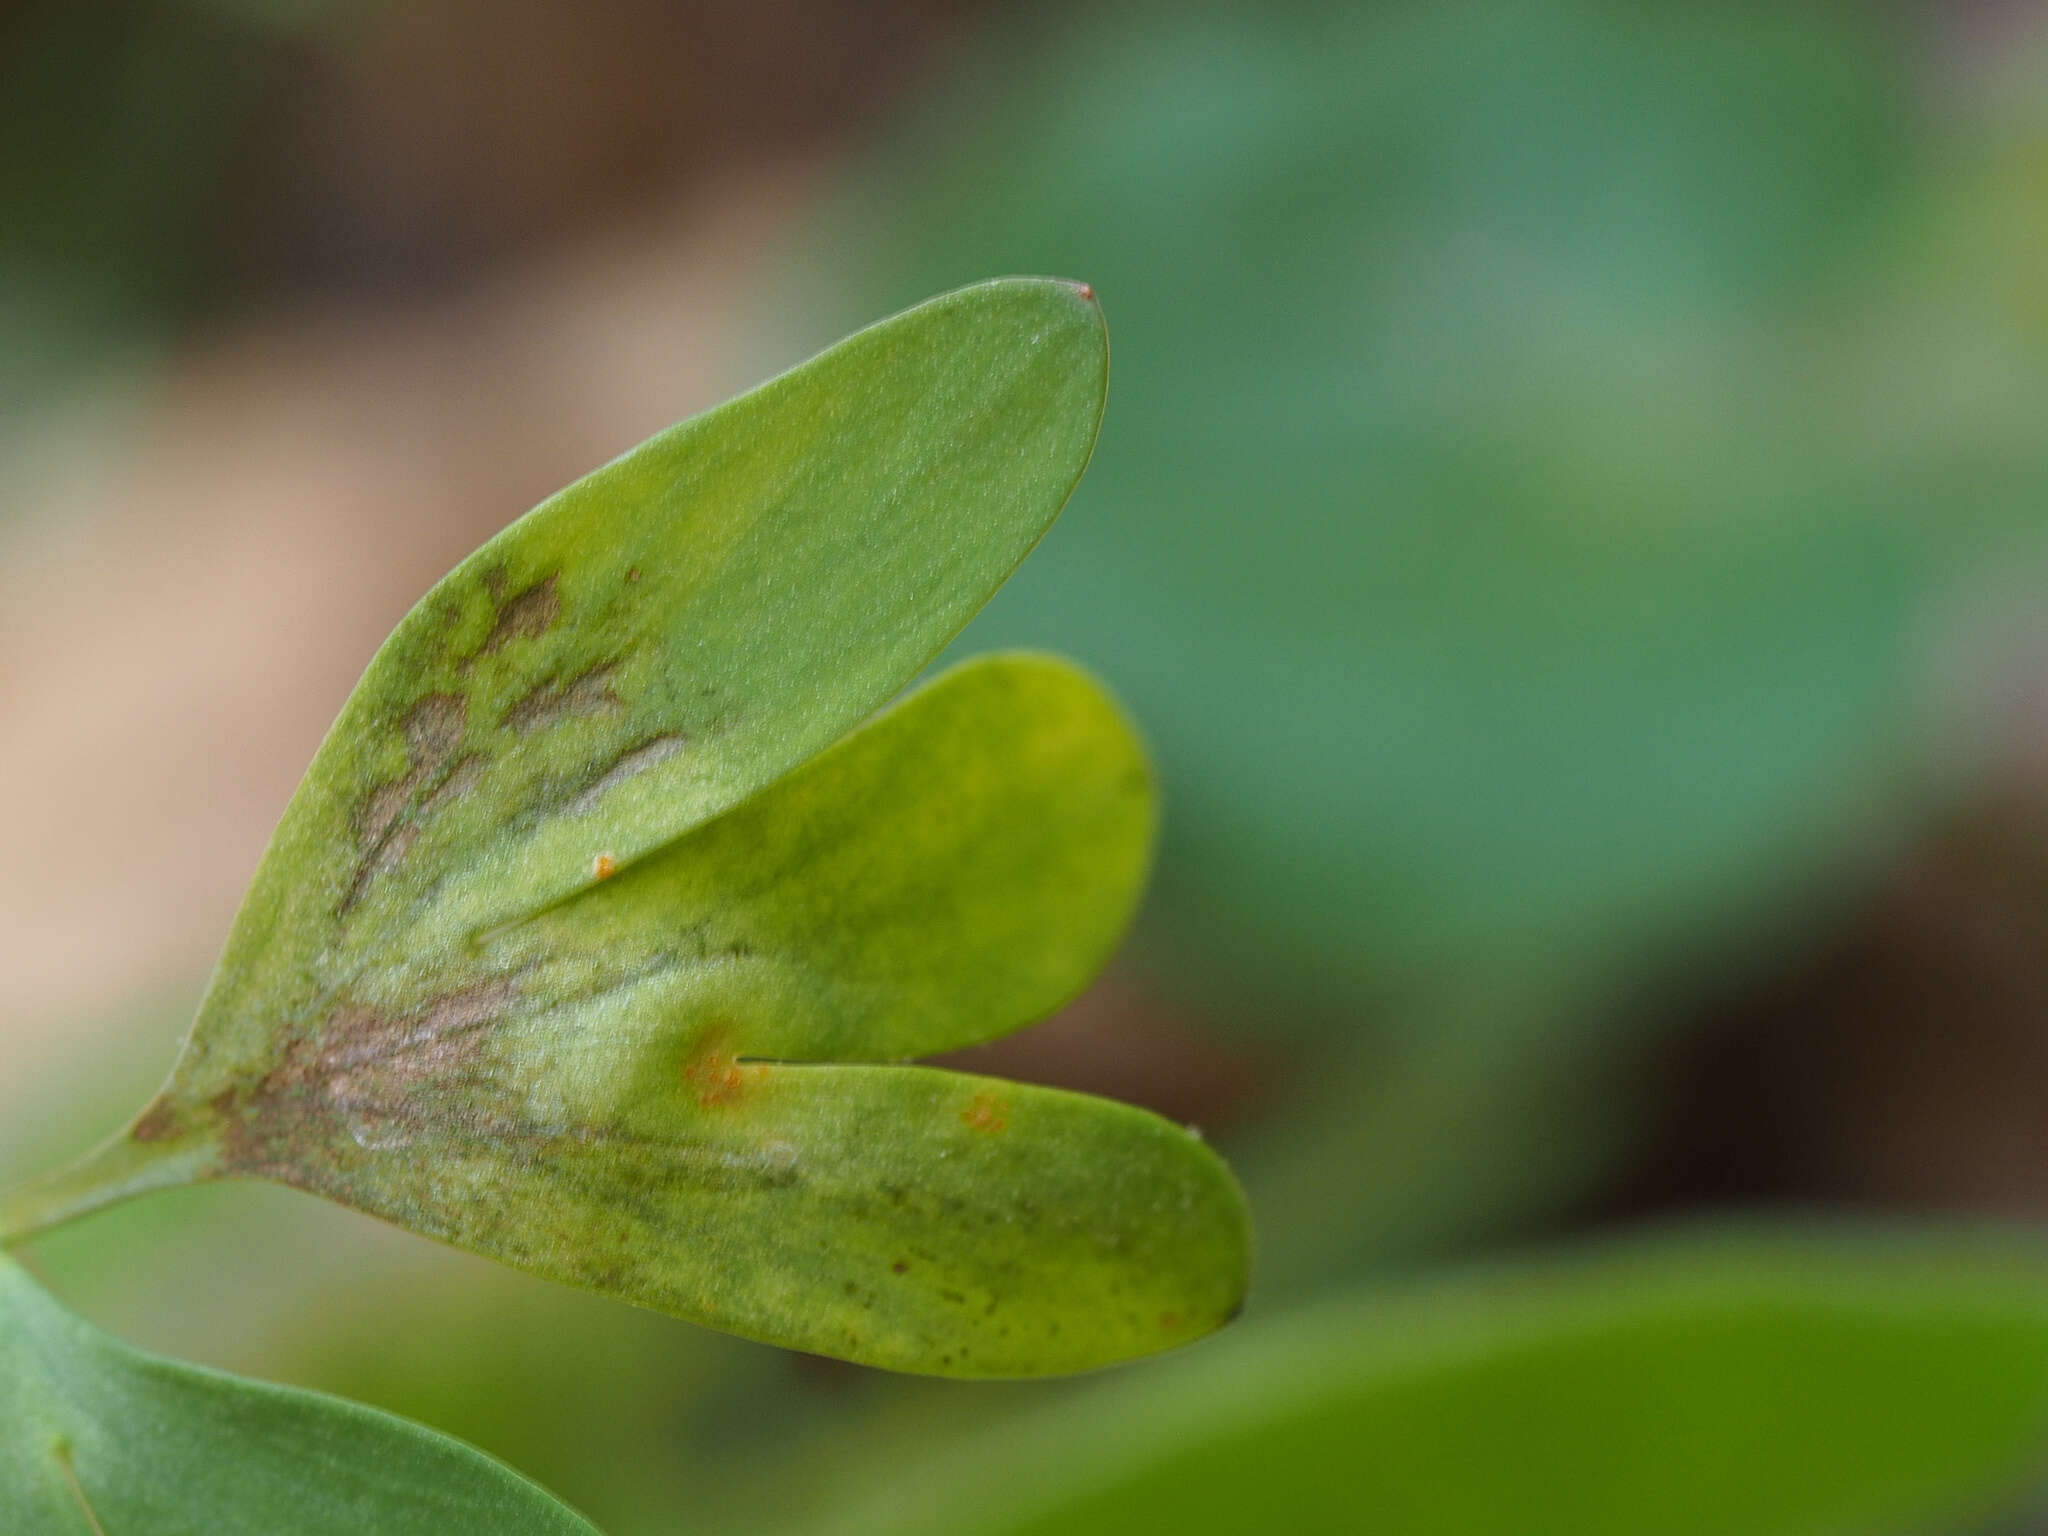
(97, 1436)
(567, 947)
(658, 642)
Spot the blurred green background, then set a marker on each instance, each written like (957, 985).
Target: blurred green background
(1572, 519)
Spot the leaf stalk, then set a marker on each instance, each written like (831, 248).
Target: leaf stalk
(116, 1170)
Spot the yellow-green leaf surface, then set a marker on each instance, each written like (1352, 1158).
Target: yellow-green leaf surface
(586, 947)
(98, 1437)
(1730, 1386)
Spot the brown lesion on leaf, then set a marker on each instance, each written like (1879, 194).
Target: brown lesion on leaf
(588, 694)
(434, 729)
(379, 809)
(629, 764)
(467, 773)
(159, 1122)
(379, 1077)
(526, 617)
(986, 1113)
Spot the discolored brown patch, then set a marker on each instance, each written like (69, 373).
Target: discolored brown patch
(467, 773)
(658, 749)
(380, 808)
(986, 1113)
(434, 728)
(158, 1123)
(526, 617)
(588, 694)
(379, 1078)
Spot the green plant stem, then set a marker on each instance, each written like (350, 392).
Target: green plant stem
(113, 1171)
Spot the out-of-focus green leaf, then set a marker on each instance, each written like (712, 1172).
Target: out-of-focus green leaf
(1767, 1387)
(1528, 507)
(561, 956)
(95, 1436)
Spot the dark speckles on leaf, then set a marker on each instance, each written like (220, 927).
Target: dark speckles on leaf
(526, 617)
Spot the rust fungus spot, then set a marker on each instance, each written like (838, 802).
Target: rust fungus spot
(603, 867)
(899, 1268)
(714, 1073)
(526, 617)
(986, 1113)
(633, 574)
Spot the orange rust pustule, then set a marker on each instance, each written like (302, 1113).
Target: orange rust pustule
(714, 1072)
(986, 1113)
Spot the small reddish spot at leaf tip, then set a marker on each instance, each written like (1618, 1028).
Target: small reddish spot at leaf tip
(1086, 290)
(603, 867)
(985, 1112)
(1195, 1132)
